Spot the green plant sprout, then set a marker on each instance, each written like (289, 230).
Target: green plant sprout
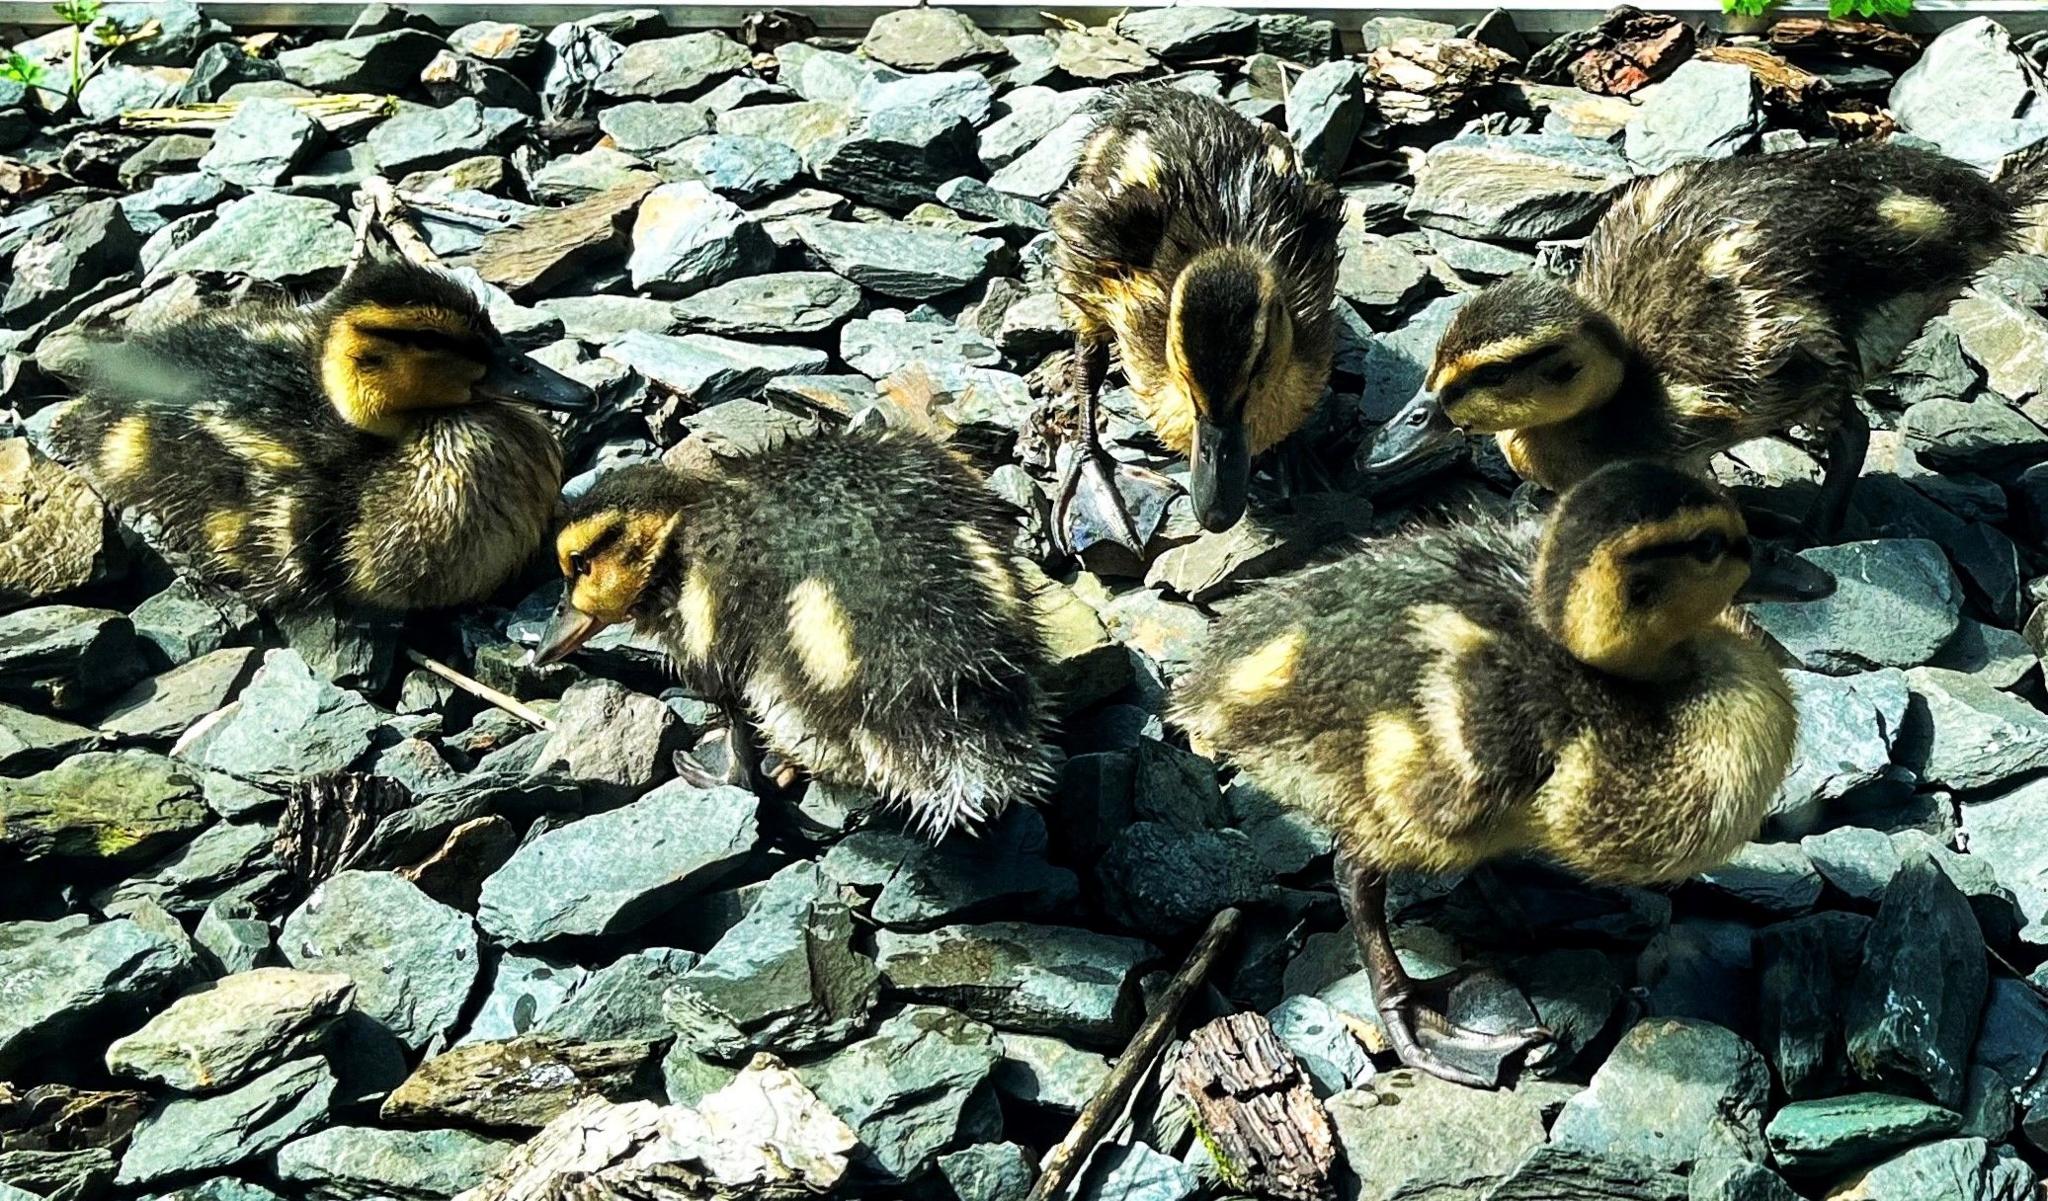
(22, 69)
(1837, 9)
(78, 14)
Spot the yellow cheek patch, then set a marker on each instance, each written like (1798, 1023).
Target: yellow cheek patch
(700, 613)
(125, 449)
(990, 568)
(1268, 670)
(821, 634)
(577, 537)
(1395, 755)
(1915, 216)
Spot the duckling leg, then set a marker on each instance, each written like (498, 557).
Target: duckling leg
(1423, 1038)
(1300, 469)
(1847, 445)
(742, 758)
(1089, 505)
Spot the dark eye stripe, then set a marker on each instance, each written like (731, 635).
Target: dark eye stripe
(466, 345)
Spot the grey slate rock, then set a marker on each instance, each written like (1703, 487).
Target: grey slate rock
(2009, 833)
(1675, 1093)
(101, 807)
(642, 127)
(805, 127)
(62, 657)
(413, 959)
(879, 349)
(1517, 187)
(1156, 878)
(710, 369)
(222, 66)
(896, 157)
(524, 991)
(1967, 1169)
(182, 30)
(1896, 602)
(1039, 171)
(421, 137)
(362, 1161)
(1137, 1171)
(1189, 31)
(622, 1000)
(1828, 1136)
(270, 236)
(2007, 338)
(899, 260)
(1859, 861)
(1319, 1037)
(1704, 110)
(990, 1172)
(261, 145)
(231, 937)
(1325, 111)
(197, 1134)
(243, 1026)
(1031, 113)
(1048, 1072)
(1965, 734)
(1379, 274)
(379, 62)
(62, 979)
(601, 319)
(66, 257)
(1412, 1135)
(184, 882)
(629, 864)
(1848, 726)
(974, 198)
(790, 302)
(1556, 1170)
(1296, 38)
(288, 724)
(927, 39)
(117, 87)
(1001, 871)
(1950, 435)
(917, 1087)
(1971, 94)
(30, 742)
(741, 169)
(963, 94)
(171, 196)
(1054, 980)
(518, 48)
(614, 741)
(672, 68)
(786, 977)
(1913, 1010)
(1776, 877)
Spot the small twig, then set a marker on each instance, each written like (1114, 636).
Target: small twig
(513, 705)
(331, 112)
(376, 197)
(454, 208)
(1063, 1162)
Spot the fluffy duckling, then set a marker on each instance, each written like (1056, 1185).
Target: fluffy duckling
(379, 448)
(850, 592)
(1192, 240)
(1578, 689)
(1717, 302)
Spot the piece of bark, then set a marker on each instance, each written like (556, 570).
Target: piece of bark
(521, 1083)
(1844, 39)
(57, 1117)
(328, 821)
(454, 874)
(552, 245)
(1253, 1106)
(1783, 83)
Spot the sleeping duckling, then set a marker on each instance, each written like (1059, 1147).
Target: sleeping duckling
(850, 592)
(1717, 302)
(1192, 240)
(1578, 689)
(379, 448)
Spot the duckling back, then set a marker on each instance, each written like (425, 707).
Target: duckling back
(856, 590)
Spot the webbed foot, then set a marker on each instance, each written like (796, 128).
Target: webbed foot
(1102, 500)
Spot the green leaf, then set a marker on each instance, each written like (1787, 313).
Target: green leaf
(22, 69)
(1747, 8)
(77, 12)
(1870, 9)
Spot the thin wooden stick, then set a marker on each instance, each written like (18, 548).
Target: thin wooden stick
(379, 199)
(330, 111)
(513, 705)
(1064, 1162)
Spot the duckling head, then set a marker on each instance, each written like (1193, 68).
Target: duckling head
(399, 340)
(1228, 332)
(1525, 352)
(1638, 559)
(613, 548)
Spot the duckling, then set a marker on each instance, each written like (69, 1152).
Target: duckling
(1717, 302)
(1578, 688)
(379, 448)
(1192, 239)
(850, 593)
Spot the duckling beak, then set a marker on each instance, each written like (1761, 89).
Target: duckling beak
(525, 380)
(570, 628)
(1776, 574)
(1219, 471)
(1417, 429)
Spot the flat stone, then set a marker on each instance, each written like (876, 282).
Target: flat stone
(1039, 171)
(106, 806)
(1777, 877)
(914, 1089)
(711, 369)
(1048, 1072)
(1972, 95)
(1949, 435)
(1001, 871)
(592, 173)
(1967, 1169)
(362, 1161)
(2006, 832)
(1999, 657)
(631, 864)
(1325, 111)
(189, 878)
(1965, 734)
(990, 1172)
(518, 47)
(53, 528)
(896, 157)
(621, 1000)
(270, 236)
(1848, 726)
(261, 145)
(1379, 274)
(1837, 1133)
(609, 738)
(1674, 1093)
(879, 349)
(927, 39)
(644, 127)
(520, 1084)
(1410, 1134)
(185, 620)
(1913, 1011)
(63, 657)
(672, 68)
(786, 976)
(601, 319)
(1099, 55)
(791, 302)
(1515, 188)
(1896, 602)
(1136, 1170)
(243, 1026)
(163, 707)
(899, 260)
(1156, 878)
(1032, 113)
(1296, 38)
(1039, 979)
(740, 168)
(413, 959)
(67, 256)
(30, 742)
(287, 725)
(381, 62)
(1704, 110)
(1318, 1035)
(198, 1134)
(2007, 339)
(66, 978)
(806, 127)
(974, 198)
(421, 137)
(1858, 861)
(687, 238)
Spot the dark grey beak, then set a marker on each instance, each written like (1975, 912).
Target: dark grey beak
(1417, 429)
(570, 628)
(1219, 471)
(1778, 575)
(522, 379)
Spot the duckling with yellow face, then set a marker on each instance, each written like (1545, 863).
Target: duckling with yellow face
(1718, 302)
(1193, 242)
(851, 593)
(1581, 690)
(380, 448)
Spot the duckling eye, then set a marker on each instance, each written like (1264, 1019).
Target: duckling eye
(1561, 373)
(578, 565)
(1709, 547)
(1492, 375)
